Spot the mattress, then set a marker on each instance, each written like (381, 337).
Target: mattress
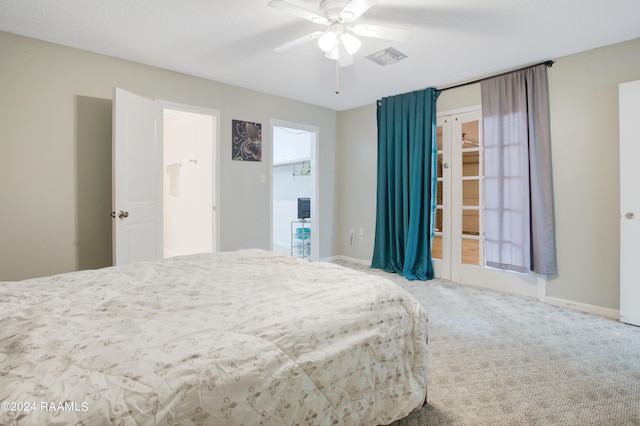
(240, 338)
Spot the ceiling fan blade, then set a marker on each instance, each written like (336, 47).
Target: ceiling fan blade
(298, 11)
(356, 8)
(387, 33)
(297, 42)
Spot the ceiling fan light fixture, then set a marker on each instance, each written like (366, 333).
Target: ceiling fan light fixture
(350, 43)
(340, 39)
(333, 53)
(327, 41)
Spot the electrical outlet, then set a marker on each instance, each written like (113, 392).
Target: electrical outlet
(361, 231)
(361, 241)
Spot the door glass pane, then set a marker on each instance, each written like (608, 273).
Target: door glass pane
(471, 192)
(470, 252)
(439, 193)
(438, 225)
(439, 138)
(470, 134)
(436, 248)
(470, 222)
(471, 163)
(439, 166)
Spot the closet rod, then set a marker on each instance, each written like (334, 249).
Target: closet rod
(547, 63)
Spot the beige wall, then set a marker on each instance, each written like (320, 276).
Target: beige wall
(584, 126)
(584, 129)
(55, 155)
(55, 168)
(356, 196)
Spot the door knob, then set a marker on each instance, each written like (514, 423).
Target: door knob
(629, 215)
(123, 214)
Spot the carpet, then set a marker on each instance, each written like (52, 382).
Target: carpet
(500, 359)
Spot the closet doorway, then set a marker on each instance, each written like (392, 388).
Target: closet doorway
(294, 175)
(189, 180)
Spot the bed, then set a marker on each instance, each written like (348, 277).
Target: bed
(241, 338)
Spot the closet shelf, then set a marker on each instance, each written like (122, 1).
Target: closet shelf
(291, 162)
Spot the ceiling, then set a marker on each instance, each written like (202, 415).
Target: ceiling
(232, 41)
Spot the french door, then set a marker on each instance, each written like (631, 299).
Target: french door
(458, 245)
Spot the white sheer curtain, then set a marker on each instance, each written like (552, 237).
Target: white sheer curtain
(519, 229)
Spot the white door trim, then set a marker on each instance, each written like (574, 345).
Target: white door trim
(315, 183)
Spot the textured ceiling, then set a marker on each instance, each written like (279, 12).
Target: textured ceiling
(232, 41)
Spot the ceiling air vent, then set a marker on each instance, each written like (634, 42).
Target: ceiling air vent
(387, 56)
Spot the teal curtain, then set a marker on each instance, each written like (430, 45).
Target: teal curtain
(407, 156)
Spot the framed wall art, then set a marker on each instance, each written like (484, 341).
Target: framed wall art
(247, 141)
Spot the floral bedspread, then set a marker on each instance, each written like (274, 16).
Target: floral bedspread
(239, 338)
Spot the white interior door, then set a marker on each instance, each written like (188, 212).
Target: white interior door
(629, 202)
(137, 178)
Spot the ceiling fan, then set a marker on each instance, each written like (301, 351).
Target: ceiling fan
(338, 40)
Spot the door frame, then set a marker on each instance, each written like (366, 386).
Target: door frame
(216, 159)
(120, 118)
(315, 181)
(524, 284)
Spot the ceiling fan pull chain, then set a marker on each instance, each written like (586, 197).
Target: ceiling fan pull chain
(337, 78)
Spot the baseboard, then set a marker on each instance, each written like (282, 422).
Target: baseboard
(356, 260)
(542, 290)
(584, 307)
(346, 259)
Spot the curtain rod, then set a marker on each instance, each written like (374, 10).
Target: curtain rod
(547, 63)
